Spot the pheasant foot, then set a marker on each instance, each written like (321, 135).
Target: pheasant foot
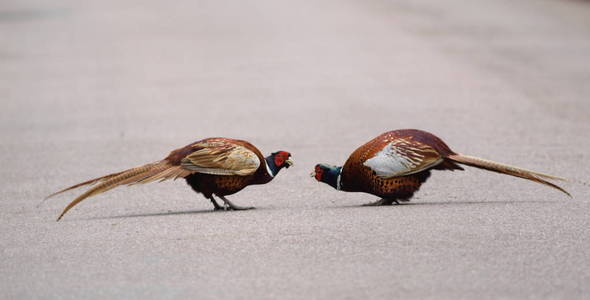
(227, 205)
(382, 202)
(379, 202)
(215, 205)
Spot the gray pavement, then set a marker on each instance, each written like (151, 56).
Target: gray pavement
(91, 88)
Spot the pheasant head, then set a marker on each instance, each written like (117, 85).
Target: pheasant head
(278, 160)
(328, 174)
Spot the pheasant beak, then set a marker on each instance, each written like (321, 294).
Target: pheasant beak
(289, 163)
(312, 174)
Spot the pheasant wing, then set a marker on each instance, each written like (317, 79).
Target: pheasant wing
(221, 158)
(403, 157)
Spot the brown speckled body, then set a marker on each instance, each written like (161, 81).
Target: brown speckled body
(221, 185)
(356, 177)
(213, 166)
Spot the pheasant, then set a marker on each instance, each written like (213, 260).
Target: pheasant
(212, 166)
(394, 165)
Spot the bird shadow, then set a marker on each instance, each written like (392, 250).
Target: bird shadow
(158, 214)
(444, 203)
(401, 205)
(171, 213)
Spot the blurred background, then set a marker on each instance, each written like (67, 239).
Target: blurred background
(92, 87)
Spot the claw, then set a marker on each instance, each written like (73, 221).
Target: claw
(227, 205)
(379, 202)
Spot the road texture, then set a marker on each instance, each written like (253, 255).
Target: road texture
(88, 88)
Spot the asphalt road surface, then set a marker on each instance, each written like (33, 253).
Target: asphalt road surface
(91, 88)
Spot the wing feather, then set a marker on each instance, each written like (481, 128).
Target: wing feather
(403, 157)
(221, 158)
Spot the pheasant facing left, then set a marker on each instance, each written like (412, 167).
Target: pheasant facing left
(395, 164)
(212, 166)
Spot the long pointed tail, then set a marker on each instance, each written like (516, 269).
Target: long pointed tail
(161, 170)
(88, 182)
(507, 169)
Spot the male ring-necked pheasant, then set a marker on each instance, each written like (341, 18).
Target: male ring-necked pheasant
(395, 164)
(212, 166)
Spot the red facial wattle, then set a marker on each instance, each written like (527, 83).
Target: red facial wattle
(318, 173)
(280, 158)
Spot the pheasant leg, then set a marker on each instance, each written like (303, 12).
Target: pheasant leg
(230, 206)
(382, 202)
(215, 205)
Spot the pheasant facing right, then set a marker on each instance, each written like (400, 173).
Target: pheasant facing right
(212, 166)
(395, 164)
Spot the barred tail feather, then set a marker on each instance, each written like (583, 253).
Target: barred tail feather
(507, 169)
(88, 182)
(155, 171)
